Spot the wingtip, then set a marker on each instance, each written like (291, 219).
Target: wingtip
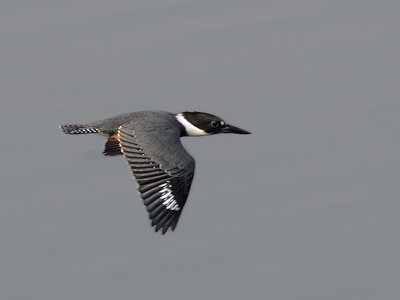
(164, 228)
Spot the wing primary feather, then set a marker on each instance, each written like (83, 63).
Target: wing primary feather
(147, 180)
(160, 210)
(151, 193)
(169, 223)
(162, 221)
(153, 205)
(140, 175)
(147, 187)
(152, 199)
(147, 171)
(164, 174)
(175, 221)
(161, 215)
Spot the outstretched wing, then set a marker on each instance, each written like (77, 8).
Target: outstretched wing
(163, 169)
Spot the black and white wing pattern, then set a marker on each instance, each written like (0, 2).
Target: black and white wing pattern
(163, 169)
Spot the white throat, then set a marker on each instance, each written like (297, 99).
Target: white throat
(191, 130)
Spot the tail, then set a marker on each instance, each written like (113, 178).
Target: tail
(79, 129)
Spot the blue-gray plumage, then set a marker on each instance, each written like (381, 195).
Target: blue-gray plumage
(150, 142)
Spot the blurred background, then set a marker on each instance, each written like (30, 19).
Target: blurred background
(307, 207)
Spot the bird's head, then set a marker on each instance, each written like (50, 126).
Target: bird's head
(200, 124)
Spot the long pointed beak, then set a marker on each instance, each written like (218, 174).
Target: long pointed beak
(234, 129)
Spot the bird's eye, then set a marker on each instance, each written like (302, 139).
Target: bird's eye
(214, 124)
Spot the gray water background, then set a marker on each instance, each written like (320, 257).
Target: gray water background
(305, 208)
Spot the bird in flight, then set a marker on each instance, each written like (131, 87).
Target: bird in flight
(150, 142)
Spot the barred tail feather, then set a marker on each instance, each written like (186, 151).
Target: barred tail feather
(79, 129)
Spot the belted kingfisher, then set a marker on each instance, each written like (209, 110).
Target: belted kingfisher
(150, 142)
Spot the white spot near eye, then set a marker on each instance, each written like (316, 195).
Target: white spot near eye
(166, 195)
